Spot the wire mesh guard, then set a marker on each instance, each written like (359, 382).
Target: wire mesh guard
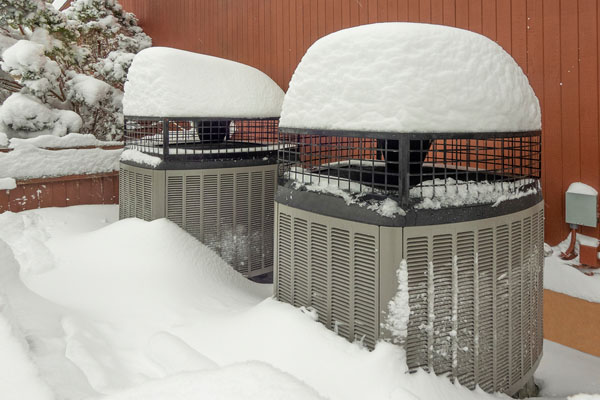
(202, 139)
(418, 170)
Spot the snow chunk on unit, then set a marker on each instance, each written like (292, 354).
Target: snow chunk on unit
(174, 83)
(407, 77)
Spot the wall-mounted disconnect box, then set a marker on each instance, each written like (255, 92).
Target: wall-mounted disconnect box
(582, 205)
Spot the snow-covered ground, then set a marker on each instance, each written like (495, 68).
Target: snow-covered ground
(560, 275)
(92, 307)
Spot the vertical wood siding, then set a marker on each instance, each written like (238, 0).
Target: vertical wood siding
(554, 41)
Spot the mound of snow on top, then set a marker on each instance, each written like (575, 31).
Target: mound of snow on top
(407, 77)
(166, 82)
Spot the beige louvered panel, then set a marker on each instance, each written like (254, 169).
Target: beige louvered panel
(193, 205)
(485, 315)
(341, 291)
(269, 213)
(526, 294)
(132, 193)
(242, 216)
(139, 195)
(175, 199)
(465, 251)
(256, 220)
(501, 315)
(417, 258)
(320, 272)
(227, 244)
(284, 255)
(516, 305)
(123, 193)
(540, 291)
(300, 283)
(210, 207)
(365, 289)
(147, 183)
(442, 254)
(537, 249)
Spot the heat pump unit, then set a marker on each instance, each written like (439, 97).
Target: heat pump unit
(213, 173)
(420, 224)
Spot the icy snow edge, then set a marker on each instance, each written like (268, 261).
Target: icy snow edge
(140, 158)
(166, 82)
(407, 77)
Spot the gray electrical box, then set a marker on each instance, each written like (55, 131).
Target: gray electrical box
(582, 205)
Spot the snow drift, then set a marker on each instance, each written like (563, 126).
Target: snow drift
(166, 82)
(407, 77)
(138, 309)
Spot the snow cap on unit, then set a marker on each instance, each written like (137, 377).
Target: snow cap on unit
(166, 82)
(408, 77)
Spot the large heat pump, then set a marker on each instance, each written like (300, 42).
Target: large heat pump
(201, 150)
(409, 207)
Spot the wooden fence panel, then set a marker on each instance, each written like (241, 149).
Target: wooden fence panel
(555, 42)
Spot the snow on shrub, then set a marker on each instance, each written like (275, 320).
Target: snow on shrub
(74, 60)
(26, 116)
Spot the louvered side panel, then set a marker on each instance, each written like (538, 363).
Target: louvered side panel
(501, 315)
(227, 244)
(139, 195)
(123, 193)
(417, 253)
(516, 304)
(320, 272)
(341, 301)
(301, 284)
(193, 206)
(540, 289)
(242, 218)
(485, 315)
(132, 194)
(465, 251)
(526, 294)
(365, 288)
(442, 285)
(284, 255)
(210, 211)
(175, 199)
(148, 187)
(256, 220)
(268, 222)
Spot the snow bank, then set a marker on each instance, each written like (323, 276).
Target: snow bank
(140, 158)
(560, 276)
(19, 377)
(61, 142)
(7, 183)
(3, 139)
(166, 82)
(26, 162)
(564, 371)
(163, 305)
(582, 188)
(25, 116)
(248, 381)
(406, 77)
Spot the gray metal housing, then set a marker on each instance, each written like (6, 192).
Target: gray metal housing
(475, 287)
(228, 209)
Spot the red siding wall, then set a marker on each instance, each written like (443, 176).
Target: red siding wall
(555, 42)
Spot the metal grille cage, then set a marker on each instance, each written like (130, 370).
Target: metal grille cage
(200, 139)
(414, 169)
